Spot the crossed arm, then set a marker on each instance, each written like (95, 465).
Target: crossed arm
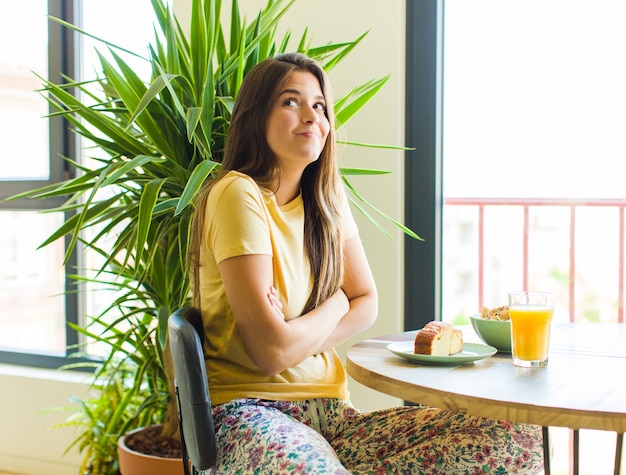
(274, 344)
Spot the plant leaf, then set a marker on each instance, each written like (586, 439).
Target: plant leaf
(197, 178)
(146, 209)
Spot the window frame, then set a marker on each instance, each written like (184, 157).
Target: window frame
(423, 163)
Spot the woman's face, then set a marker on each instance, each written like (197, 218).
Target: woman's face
(297, 127)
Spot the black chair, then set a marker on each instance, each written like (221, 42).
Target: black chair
(197, 432)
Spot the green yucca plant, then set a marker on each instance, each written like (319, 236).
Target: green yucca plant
(163, 136)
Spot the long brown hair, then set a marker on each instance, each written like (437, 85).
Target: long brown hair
(248, 152)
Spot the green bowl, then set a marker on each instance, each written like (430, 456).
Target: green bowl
(496, 333)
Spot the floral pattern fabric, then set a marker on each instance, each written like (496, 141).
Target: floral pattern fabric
(331, 437)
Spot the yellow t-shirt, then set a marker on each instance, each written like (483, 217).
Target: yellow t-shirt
(243, 218)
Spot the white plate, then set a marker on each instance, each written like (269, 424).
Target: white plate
(470, 352)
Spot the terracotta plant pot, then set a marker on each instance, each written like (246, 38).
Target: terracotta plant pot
(136, 463)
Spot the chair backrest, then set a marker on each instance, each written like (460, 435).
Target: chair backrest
(192, 388)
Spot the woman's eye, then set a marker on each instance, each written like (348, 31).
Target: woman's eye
(290, 103)
(320, 106)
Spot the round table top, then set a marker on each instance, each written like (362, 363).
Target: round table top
(583, 386)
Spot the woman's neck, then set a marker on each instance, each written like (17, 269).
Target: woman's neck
(287, 188)
(285, 194)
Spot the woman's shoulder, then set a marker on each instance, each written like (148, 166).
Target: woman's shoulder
(237, 180)
(235, 186)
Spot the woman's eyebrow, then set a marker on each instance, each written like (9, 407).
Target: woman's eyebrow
(297, 92)
(291, 91)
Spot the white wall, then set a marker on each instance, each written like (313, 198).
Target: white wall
(28, 445)
(28, 442)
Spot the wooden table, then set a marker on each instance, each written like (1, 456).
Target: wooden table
(583, 386)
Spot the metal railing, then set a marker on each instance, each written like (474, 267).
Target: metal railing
(526, 204)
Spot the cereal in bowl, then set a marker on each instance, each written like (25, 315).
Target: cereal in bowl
(498, 313)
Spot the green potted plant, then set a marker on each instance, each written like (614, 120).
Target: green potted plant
(162, 137)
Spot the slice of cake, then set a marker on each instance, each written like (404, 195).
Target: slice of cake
(438, 339)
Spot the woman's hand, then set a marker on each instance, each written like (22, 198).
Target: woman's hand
(275, 302)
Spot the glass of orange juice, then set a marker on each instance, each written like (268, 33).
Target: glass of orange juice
(531, 316)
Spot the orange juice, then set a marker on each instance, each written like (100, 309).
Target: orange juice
(530, 332)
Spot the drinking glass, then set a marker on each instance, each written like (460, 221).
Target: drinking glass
(531, 316)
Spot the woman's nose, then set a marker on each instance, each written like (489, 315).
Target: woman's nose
(309, 115)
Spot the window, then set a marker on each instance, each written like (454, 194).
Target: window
(533, 112)
(36, 297)
(497, 85)
(21, 107)
(32, 282)
(493, 86)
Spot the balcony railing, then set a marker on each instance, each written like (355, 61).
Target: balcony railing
(526, 204)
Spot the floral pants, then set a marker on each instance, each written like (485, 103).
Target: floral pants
(331, 437)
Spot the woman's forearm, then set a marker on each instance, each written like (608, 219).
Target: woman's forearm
(297, 339)
(362, 314)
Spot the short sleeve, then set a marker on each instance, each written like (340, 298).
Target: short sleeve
(236, 219)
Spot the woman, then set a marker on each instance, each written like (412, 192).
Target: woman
(281, 278)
